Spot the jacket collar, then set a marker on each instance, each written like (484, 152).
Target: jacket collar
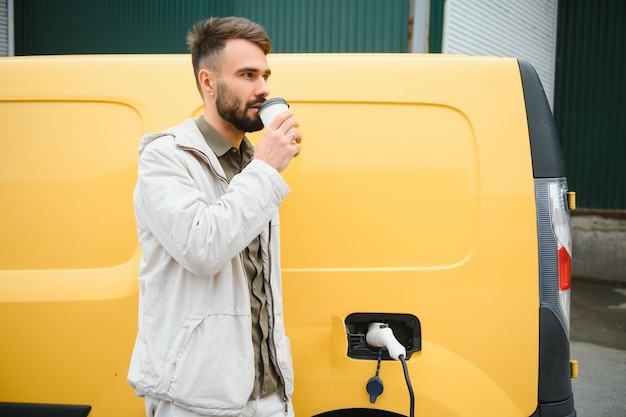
(187, 136)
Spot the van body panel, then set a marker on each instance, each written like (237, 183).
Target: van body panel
(68, 268)
(94, 232)
(414, 194)
(450, 203)
(416, 223)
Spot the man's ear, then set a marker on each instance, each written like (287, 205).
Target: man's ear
(207, 81)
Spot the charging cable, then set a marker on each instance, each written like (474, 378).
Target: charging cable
(409, 386)
(381, 336)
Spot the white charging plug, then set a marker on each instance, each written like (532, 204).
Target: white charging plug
(380, 335)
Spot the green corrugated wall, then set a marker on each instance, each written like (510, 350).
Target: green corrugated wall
(331, 25)
(590, 100)
(160, 26)
(45, 27)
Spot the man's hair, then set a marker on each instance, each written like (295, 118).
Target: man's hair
(206, 40)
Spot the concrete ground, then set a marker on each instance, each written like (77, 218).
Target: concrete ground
(598, 313)
(598, 343)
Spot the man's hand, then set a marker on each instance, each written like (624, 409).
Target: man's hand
(280, 142)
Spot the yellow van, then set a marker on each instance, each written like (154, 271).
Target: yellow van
(430, 197)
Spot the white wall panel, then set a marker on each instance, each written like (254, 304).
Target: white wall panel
(521, 29)
(4, 28)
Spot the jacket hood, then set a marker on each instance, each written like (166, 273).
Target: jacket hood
(149, 138)
(186, 134)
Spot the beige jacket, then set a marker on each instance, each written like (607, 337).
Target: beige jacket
(194, 344)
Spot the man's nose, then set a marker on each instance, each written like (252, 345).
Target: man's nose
(262, 88)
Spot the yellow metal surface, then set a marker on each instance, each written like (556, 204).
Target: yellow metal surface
(413, 194)
(68, 250)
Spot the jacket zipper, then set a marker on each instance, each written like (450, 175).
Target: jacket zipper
(206, 160)
(275, 350)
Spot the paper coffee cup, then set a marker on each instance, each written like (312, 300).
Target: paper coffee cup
(271, 108)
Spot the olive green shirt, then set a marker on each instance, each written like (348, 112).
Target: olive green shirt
(233, 161)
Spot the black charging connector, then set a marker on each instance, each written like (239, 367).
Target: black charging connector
(374, 386)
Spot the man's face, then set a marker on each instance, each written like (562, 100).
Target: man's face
(232, 109)
(242, 85)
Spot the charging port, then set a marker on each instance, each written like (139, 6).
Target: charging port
(406, 328)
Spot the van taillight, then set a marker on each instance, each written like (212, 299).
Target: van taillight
(560, 221)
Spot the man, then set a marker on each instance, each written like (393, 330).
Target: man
(211, 337)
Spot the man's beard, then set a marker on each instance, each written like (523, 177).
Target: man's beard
(230, 109)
